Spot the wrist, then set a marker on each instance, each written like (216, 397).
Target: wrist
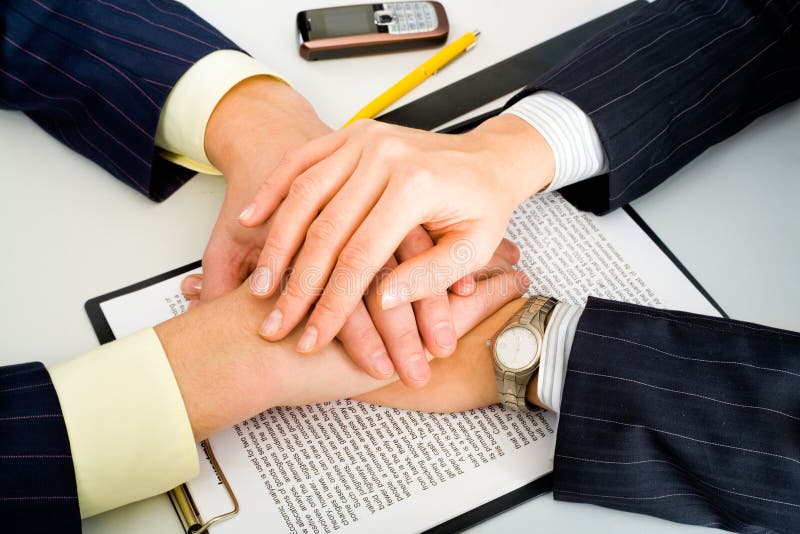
(532, 392)
(220, 363)
(526, 160)
(262, 110)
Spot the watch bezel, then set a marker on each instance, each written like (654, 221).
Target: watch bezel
(535, 358)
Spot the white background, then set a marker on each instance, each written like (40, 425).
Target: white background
(70, 232)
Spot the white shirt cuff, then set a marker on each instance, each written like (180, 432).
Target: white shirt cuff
(569, 132)
(182, 126)
(556, 346)
(128, 429)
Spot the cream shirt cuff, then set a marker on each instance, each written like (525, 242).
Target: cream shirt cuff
(569, 132)
(128, 429)
(182, 125)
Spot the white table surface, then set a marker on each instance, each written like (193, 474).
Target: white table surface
(70, 232)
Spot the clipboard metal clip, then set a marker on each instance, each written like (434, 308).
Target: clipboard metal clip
(187, 509)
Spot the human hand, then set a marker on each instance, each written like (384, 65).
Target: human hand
(374, 183)
(251, 128)
(384, 341)
(226, 372)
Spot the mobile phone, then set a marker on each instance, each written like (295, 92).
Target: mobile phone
(370, 28)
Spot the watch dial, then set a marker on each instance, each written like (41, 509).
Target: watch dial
(516, 347)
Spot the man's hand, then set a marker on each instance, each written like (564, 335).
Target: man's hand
(226, 372)
(251, 128)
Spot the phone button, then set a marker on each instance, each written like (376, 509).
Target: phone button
(383, 18)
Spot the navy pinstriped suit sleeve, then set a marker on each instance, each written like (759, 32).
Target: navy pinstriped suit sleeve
(37, 481)
(688, 418)
(673, 79)
(95, 75)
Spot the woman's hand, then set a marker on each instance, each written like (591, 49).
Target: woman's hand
(355, 194)
(226, 372)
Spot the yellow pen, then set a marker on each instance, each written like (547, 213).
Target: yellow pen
(417, 76)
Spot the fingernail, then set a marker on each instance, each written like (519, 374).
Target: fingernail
(523, 279)
(515, 252)
(247, 212)
(393, 298)
(260, 281)
(272, 324)
(468, 284)
(417, 369)
(307, 340)
(192, 285)
(444, 336)
(382, 365)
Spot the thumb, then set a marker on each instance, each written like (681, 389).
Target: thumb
(431, 272)
(221, 274)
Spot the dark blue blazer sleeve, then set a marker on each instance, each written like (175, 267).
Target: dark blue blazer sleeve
(673, 79)
(37, 480)
(95, 75)
(690, 418)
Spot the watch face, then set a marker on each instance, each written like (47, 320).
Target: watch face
(516, 347)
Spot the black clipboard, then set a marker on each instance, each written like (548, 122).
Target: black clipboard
(429, 112)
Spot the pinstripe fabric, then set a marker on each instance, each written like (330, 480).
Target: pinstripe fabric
(689, 418)
(673, 79)
(95, 74)
(37, 482)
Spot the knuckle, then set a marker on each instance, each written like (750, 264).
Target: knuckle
(296, 290)
(275, 246)
(409, 340)
(329, 307)
(353, 258)
(303, 188)
(389, 147)
(323, 230)
(291, 158)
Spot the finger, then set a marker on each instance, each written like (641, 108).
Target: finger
(452, 258)
(293, 163)
(505, 257)
(222, 273)
(433, 313)
(364, 344)
(471, 371)
(307, 195)
(398, 328)
(191, 286)
(371, 245)
(324, 248)
(508, 251)
(489, 296)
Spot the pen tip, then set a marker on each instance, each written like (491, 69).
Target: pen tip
(476, 32)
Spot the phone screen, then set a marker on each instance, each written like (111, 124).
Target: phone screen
(340, 21)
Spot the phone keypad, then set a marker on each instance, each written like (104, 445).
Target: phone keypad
(411, 17)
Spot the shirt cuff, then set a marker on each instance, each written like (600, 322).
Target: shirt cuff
(556, 346)
(128, 429)
(569, 132)
(182, 125)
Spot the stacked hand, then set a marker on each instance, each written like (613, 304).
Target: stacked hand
(254, 125)
(226, 372)
(346, 209)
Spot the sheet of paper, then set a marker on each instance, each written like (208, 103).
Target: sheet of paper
(351, 467)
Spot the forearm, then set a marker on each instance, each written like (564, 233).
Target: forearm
(226, 372)
(67, 67)
(672, 80)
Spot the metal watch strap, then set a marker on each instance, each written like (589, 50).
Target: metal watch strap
(512, 386)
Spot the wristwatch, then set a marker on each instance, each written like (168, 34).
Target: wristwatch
(517, 348)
